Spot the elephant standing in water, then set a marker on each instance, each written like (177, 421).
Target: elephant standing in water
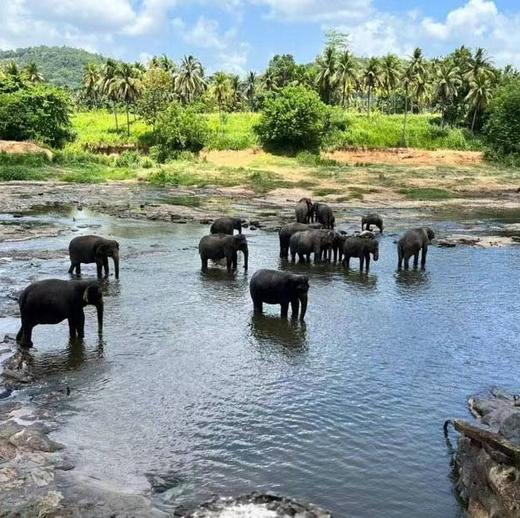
(372, 219)
(337, 246)
(274, 287)
(287, 231)
(411, 243)
(360, 247)
(93, 249)
(304, 211)
(226, 226)
(308, 242)
(51, 301)
(220, 246)
(324, 215)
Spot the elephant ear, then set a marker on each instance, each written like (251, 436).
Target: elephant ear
(92, 294)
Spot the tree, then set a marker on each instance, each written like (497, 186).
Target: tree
(346, 75)
(479, 94)
(390, 75)
(189, 81)
(33, 74)
(91, 83)
(221, 91)
(283, 70)
(326, 75)
(268, 81)
(126, 87)
(106, 85)
(156, 94)
(447, 82)
(250, 89)
(407, 80)
(419, 76)
(372, 78)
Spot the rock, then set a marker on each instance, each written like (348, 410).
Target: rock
(7, 451)
(205, 221)
(252, 227)
(516, 239)
(446, 243)
(34, 440)
(20, 376)
(9, 428)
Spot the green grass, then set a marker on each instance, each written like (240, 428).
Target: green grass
(325, 191)
(232, 130)
(426, 194)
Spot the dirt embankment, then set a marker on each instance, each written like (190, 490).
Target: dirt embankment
(13, 147)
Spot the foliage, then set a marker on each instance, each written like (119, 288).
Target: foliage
(294, 118)
(36, 112)
(502, 131)
(180, 129)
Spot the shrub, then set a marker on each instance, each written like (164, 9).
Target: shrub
(36, 112)
(179, 129)
(502, 131)
(294, 118)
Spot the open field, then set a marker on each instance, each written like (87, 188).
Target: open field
(235, 131)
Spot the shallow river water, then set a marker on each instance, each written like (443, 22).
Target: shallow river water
(192, 393)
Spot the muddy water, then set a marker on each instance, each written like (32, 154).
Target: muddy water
(190, 395)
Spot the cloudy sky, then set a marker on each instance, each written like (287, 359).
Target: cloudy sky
(242, 35)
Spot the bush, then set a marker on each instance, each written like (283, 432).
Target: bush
(295, 118)
(502, 131)
(179, 129)
(36, 112)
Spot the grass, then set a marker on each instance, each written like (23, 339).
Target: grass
(426, 194)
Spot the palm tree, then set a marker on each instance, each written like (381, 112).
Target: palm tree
(166, 63)
(390, 72)
(419, 76)
(480, 62)
(479, 94)
(407, 80)
(126, 87)
(268, 81)
(447, 83)
(346, 75)
(326, 75)
(221, 92)
(372, 78)
(189, 81)
(33, 74)
(105, 85)
(91, 77)
(250, 89)
(11, 69)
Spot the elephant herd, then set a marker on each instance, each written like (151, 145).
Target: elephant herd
(51, 301)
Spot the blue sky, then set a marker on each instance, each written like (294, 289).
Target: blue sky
(242, 35)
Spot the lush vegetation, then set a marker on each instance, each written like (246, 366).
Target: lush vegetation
(61, 66)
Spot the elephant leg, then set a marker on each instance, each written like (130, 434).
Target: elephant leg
(72, 328)
(19, 334)
(367, 262)
(423, 256)
(229, 263)
(26, 334)
(258, 306)
(235, 261)
(79, 323)
(78, 269)
(71, 269)
(99, 265)
(406, 262)
(105, 266)
(295, 307)
(416, 259)
(361, 262)
(293, 257)
(347, 261)
(204, 266)
(285, 309)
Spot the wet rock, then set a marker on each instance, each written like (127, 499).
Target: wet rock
(34, 440)
(9, 428)
(252, 227)
(7, 451)
(446, 243)
(205, 221)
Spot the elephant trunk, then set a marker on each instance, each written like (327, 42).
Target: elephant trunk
(303, 301)
(116, 264)
(245, 251)
(376, 255)
(99, 307)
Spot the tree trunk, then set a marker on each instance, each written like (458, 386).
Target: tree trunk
(115, 115)
(369, 96)
(474, 120)
(127, 121)
(404, 138)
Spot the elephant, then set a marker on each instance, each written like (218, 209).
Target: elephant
(360, 247)
(303, 211)
(226, 226)
(305, 242)
(51, 301)
(324, 215)
(218, 246)
(275, 287)
(93, 249)
(337, 246)
(411, 243)
(287, 231)
(372, 219)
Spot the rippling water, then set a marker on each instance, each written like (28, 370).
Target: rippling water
(190, 391)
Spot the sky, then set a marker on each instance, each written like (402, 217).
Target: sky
(242, 35)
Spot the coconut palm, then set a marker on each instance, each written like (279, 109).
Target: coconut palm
(326, 73)
(250, 89)
(419, 75)
(268, 81)
(346, 76)
(105, 85)
(12, 70)
(480, 62)
(189, 81)
(221, 91)
(91, 77)
(237, 97)
(479, 94)
(372, 79)
(126, 87)
(407, 81)
(33, 74)
(166, 63)
(390, 73)
(447, 83)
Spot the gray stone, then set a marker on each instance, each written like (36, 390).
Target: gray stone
(34, 440)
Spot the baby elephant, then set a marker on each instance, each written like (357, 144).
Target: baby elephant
(226, 226)
(372, 219)
(93, 249)
(411, 243)
(360, 247)
(274, 287)
(218, 246)
(52, 301)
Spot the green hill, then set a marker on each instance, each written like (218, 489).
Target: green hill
(62, 66)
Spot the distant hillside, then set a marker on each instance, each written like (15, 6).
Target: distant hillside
(62, 66)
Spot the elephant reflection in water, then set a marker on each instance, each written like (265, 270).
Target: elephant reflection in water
(412, 280)
(271, 330)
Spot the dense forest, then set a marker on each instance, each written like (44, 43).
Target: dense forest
(61, 66)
